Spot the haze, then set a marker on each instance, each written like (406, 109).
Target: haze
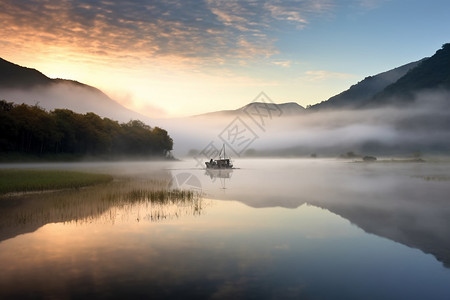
(421, 127)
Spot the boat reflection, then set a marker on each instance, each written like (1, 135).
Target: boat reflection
(219, 173)
(222, 174)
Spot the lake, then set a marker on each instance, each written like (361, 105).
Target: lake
(270, 229)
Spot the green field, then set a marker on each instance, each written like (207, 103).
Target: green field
(26, 180)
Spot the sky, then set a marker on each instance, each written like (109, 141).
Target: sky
(177, 58)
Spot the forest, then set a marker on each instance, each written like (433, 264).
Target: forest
(26, 129)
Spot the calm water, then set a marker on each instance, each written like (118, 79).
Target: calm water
(273, 229)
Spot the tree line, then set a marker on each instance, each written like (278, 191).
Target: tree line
(33, 130)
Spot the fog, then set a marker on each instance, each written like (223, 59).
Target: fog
(74, 96)
(422, 126)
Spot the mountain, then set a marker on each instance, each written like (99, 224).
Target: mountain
(399, 86)
(432, 74)
(15, 76)
(25, 85)
(282, 109)
(365, 90)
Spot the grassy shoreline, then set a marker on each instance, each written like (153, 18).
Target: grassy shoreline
(28, 180)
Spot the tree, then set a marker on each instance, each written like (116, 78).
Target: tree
(31, 129)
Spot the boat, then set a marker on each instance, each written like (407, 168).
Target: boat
(222, 163)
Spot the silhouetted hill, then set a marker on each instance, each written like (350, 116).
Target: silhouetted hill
(364, 90)
(25, 85)
(396, 87)
(15, 76)
(282, 109)
(432, 74)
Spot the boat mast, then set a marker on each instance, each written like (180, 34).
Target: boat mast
(224, 151)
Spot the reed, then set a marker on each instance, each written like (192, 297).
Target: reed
(149, 199)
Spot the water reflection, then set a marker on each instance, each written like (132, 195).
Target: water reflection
(220, 175)
(401, 202)
(232, 252)
(130, 199)
(127, 241)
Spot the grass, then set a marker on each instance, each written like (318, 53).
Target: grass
(140, 199)
(27, 180)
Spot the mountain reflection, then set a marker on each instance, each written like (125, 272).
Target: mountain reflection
(423, 224)
(401, 202)
(124, 200)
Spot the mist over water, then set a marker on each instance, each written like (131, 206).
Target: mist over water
(271, 228)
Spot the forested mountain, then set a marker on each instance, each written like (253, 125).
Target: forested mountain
(396, 87)
(24, 85)
(362, 92)
(431, 75)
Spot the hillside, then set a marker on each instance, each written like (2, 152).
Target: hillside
(282, 109)
(357, 95)
(395, 87)
(432, 74)
(15, 76)
(25, 85)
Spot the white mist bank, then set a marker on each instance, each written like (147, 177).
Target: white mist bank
(421, 126)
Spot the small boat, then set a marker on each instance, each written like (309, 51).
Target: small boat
(222, 163)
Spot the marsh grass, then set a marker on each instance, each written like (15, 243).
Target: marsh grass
(157, 201)
(27, 180)
(121, 200)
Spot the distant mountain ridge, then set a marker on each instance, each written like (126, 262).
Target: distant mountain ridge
(432, 74)
(398, 86)
(26, 85)
(284, 109)
(393, 87)
(362, 92)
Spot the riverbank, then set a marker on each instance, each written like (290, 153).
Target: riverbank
(28, 180)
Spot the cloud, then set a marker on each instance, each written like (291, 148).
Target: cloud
(320, 75)
(195, 31)
(282, 63)
(370, 4)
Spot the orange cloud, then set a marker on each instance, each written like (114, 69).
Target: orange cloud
(205, 32)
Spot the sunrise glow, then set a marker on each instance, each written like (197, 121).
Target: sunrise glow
(180, 58)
